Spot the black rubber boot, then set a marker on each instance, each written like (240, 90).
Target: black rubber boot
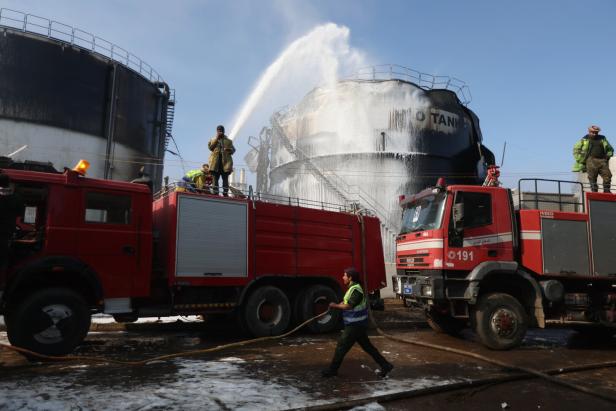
(385, 369)
(328, 372)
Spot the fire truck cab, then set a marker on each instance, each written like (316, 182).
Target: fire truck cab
(467, 256)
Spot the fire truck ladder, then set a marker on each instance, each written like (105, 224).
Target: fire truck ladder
(349, 195)
(170, 117)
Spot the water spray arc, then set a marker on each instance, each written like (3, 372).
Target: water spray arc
(318, 57)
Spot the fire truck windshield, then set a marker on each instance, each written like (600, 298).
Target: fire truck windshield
(425, 213)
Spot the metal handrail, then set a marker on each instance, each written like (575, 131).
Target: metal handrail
(262, 197)
(560, 202)
(345, 190)
(423, 80)
(41, 26)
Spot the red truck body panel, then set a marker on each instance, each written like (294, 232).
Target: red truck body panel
(282, 240)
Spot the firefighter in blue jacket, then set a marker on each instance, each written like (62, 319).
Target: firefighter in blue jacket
(592, 154)
(354, 308)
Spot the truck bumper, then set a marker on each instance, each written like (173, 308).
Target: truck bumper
(420, 288)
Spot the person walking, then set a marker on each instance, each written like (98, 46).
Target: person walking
(354, 308)
(221, 160)
(592, 155)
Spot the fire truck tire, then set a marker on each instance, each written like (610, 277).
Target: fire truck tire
(500, 321)
(315, 300)
(442, 323)
(51, 321)
(267, 312)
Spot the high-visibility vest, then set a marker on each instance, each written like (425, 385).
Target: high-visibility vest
(194, 173)
(581, 150)
(357, 315)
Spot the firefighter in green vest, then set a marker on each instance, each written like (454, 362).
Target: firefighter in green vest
(198, 179)
(592, 154)
(354, 308)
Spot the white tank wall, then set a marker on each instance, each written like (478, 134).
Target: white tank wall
(64, 148)
(347, 118)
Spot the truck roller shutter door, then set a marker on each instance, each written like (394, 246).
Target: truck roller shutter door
(212, 238)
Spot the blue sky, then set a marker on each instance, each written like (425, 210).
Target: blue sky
(539, 72)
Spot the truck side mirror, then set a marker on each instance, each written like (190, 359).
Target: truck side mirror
(458, 217)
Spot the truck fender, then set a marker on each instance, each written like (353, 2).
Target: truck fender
(46, 267)
(505, 267)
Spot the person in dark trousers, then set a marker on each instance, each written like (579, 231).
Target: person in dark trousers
(10, 207)
(592, 154)
(221, 160)
(354, 308)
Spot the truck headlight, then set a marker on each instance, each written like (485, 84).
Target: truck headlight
(426, 290)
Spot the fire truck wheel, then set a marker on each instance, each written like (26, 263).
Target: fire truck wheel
(500, 321)
(315, 301)
(267, 312)
(52, 321)
(443, 323)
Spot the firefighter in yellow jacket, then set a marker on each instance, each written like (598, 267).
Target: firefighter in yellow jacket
(592, 154)
(221, 160)
(354, 308)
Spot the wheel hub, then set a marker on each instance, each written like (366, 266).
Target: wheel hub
(53, 314)
(269, 313)
(319, 306)
(504, 322)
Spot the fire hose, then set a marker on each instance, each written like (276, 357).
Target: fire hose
(166, 357)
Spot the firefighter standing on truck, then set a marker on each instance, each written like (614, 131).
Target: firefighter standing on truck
(354, 308)
(221, 160)
(592, 154)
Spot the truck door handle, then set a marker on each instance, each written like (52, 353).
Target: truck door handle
(128, 250)
(492, 253)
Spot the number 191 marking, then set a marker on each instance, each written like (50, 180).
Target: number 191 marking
(461, 255)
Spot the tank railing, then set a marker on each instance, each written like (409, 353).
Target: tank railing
(30, 23)
(560, 201)
(423, 80)
(249, 194)
(344, 190)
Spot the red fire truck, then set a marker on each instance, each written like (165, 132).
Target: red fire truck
(85, 245)
(468, 256)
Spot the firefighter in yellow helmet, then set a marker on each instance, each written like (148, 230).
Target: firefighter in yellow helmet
(354, 308)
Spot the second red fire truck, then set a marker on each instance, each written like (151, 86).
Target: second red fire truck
(468, 257)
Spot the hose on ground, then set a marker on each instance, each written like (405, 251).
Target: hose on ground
(540, 374)
(437, 389)
(166, 357)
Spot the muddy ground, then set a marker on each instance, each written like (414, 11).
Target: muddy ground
(285, 374)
